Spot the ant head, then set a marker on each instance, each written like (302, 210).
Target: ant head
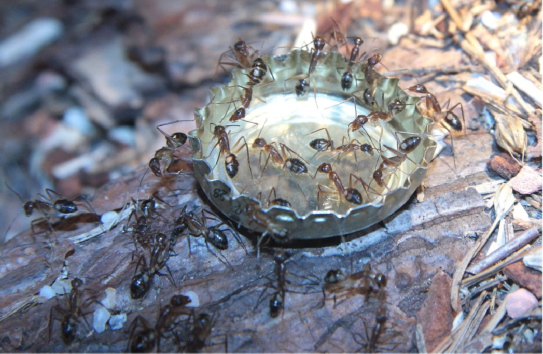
(154, 165)
(324, 168)
(65, 206)
(259, 143)
(160, 238)
(147, 206)
(179, 138)
(357, 41)
(259, 63)
(375, 59)
(76, 283)
(319, 43)
(367, 148)
(28, 208)
(418, 88)
(203, 320)
(180, 300)
(380, 280)
(240, 46)
(219, 129)
(334, 276)
(361, 119)
(378, 177)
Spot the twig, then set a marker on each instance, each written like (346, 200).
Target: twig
(472, 316)
(505, 250)
(496, 268)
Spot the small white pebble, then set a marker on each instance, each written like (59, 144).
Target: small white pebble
(397, 31)
(62, 286)
(110, 299)
(75, 117)
(116, 322)
(47, 292)
(123, 134)
(100, 318)
(194, 300)
(489, 20)
(109, 217)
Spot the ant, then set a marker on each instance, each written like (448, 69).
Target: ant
(348, 76)
(352, 148)
(257, 72)
(275, 201)
(405, 147)
(159, 254)
(197, 226)
(293, 165)
(195, 332)
(434, 109)
(370, 74)
(165, 157)
(48, 206)
(70, 316)
(148, 337)
(350, 194)
(231, 162)
(362, 283)
(372, 339)
(142, 210)
(276, 231)
(243, 53)
(321, 144)
(318, 45)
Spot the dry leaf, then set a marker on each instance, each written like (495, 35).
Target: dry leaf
(510, 134)
(533, 258)
(503, 200)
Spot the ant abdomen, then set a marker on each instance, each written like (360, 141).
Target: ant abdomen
(232, 165)
(353, 196)
(276, 304)
(409, 144)
(218, 239)
(346, 80)
(140, 285)
(65, 206)
(295, 166)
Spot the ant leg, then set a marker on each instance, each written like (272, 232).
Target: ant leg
(321, 193)
(59, 310)
(286, 148)
(247, 150)
(266, 164)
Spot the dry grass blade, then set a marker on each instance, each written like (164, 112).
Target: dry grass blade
(503, 202)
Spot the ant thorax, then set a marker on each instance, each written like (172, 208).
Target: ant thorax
(284, 135)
